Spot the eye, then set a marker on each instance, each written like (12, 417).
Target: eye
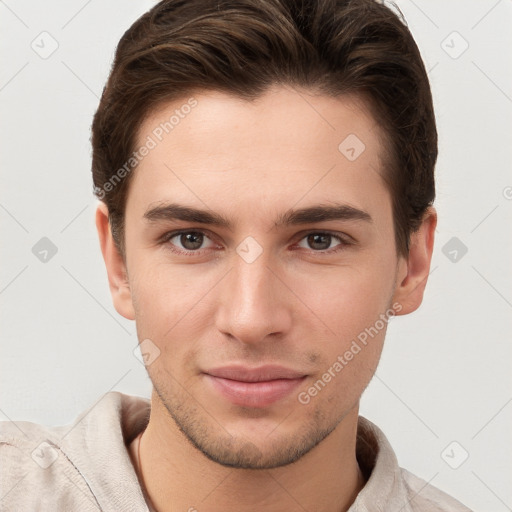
(321, 241)
(191, 242)
(186, 241)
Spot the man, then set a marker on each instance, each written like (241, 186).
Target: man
(265, 171)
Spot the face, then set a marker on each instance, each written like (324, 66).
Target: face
(266, 308)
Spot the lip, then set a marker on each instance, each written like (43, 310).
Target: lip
(254, 387)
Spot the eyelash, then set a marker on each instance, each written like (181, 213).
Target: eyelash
(168, 236)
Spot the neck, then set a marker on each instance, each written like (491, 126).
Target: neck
(179, 477)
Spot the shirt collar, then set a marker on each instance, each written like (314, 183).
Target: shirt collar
(385, 488)
(97, 444)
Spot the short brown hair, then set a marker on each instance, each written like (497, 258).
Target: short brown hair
(242, 47)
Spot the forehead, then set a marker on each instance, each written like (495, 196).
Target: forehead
(288, 145)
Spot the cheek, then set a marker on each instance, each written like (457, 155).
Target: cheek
(349, 364)
(165, 290)
(346, 301)
(352, 312)
(170, 307)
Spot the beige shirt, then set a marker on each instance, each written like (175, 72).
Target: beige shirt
(86, 466)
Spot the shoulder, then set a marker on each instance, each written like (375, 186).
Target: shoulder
(36, 474)
(424, 497)
(390, 487)
(81, 466)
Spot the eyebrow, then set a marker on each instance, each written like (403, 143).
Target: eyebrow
(309, 215)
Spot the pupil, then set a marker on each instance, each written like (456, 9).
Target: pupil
(316, 238)
(188, 242)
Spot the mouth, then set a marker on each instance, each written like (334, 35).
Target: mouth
(254, 387)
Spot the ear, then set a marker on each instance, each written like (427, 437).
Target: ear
(414, 269)
(116, 267)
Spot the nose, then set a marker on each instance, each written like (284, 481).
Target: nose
(255, 301)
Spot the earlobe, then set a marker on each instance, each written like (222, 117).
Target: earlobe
(416, 267)
(115, 265)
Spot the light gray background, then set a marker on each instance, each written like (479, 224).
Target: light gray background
(445, 371)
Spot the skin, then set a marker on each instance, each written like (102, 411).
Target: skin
(298, 304)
